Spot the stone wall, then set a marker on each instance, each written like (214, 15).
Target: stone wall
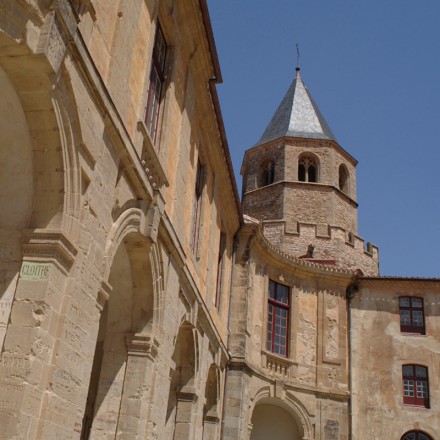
(379, 349)
(103, 302)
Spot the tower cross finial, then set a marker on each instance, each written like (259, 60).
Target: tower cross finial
(297, 57)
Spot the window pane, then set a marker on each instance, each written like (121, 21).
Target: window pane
(418, 318)
(420, 372)
(410, 436)
(404, 302)
(408, 388)
(422, 389)
(408, 370)
(417, 302)
(271, 289)
(283, 294)
(405, 317)
(423, 437)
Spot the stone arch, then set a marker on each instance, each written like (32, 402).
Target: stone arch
(127, 327)
(289, 404)
(39, 180)
(182, 398)
(129, 224)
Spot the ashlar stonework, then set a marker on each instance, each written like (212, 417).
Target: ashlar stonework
(139, 297)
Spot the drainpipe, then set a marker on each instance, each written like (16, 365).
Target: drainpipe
(350, 293)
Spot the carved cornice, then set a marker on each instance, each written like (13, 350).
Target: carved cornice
(142, 345)
(46, 244)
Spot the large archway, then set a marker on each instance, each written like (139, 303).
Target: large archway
(127, 314)
(272, 420)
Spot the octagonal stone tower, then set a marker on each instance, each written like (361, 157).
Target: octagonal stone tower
(301, 185)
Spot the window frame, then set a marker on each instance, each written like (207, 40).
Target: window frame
(157, 79)
(274, 305)
(416, 382)
(411, 328)
(417, 436)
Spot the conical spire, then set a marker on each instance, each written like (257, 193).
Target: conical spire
(297, 116)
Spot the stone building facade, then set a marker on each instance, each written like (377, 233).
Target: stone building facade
(139, 298)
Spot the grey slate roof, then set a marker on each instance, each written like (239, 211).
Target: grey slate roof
(297, 116)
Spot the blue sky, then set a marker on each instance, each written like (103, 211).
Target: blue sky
(373, 67)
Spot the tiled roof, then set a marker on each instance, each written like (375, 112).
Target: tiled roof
(297, 116)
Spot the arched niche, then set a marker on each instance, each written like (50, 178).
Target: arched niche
(211, 414)
(182, 397)
(128, 311)
(264, 427)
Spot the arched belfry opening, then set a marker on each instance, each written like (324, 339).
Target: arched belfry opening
(267, 173)
(264, 427)
(128, 311)
(308, 168)
(343, 179)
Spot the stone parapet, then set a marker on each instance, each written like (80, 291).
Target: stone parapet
(332, 245)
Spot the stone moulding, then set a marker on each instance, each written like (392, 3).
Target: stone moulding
(150, 161)
(48, 244)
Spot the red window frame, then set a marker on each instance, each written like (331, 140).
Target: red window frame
(415, 382)
(157, 79)
(278, 316)
(412, 315)
(416, 435)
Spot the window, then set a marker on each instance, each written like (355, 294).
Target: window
(157, 79)
(343, 178)
(307, 169)
(416, 435)
(277, 318)
(412, 319)
(220, 264)
(267, 174)
(415, 385)
(197, 208)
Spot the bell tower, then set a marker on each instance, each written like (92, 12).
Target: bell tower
(301, 185)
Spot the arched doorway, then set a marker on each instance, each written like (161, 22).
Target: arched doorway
(272, 421)
(416, 435)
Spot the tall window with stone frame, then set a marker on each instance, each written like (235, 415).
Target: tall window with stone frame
(157, 80)
(412, 316)
(415, 385)
(278, 318)
(220, 268)
(197, 208)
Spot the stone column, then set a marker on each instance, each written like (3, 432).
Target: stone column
(211, 424)
(185, 413)
(137, 389)
(31, 337)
